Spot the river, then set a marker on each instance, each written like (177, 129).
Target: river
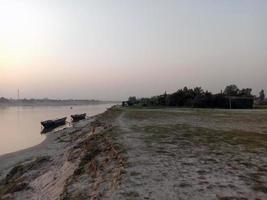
(20, 125)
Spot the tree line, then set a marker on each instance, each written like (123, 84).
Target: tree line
(231, 97)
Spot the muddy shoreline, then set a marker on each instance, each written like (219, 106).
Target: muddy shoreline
(10, 159)
(46, 147)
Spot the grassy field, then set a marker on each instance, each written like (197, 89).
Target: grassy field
(193, 154)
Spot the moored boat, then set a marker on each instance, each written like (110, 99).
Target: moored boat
(78, 117)
(51, 124)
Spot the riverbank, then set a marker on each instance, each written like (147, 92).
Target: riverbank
(166, 153)
(18, 169)
(20, 126)
(41, 172)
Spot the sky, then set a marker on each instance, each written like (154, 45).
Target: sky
(110, 50)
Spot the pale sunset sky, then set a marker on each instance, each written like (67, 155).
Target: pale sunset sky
(112, 49)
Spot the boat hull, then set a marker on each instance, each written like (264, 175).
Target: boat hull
(79, 117)
(51, 124)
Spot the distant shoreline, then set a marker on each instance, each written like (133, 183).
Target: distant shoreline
(51, 102)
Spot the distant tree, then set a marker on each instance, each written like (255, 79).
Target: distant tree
(231, 90)
(145, 102)
(154, 101)
(245, 92)
(262, 95)
(161, 100)
(132, 100)
(196, 97)
(3, 100)
(198, 91)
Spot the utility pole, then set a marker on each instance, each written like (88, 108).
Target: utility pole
(18, 95)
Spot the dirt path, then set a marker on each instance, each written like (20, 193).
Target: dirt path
(147, 176)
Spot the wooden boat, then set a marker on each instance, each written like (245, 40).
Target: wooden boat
(78, 117)
(51, 124)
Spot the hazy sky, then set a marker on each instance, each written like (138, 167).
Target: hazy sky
(113, 49)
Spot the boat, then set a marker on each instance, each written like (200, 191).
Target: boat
(78, 117)
(51, 124)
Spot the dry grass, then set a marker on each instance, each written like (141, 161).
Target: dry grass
(202, 153)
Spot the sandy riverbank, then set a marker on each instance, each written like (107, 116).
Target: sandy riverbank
(47, 148)
(44, 160)
(42, 172)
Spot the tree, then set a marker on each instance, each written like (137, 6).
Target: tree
(161, 100)
(198, 91)
(262, 95)
(132, 100)
(3, 100)
(231, 90)
(245, 92)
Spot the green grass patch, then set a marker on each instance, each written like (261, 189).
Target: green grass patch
(214, 138)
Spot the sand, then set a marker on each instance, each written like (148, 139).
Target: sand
(47, 180)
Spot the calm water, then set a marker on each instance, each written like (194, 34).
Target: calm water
(20, 126)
